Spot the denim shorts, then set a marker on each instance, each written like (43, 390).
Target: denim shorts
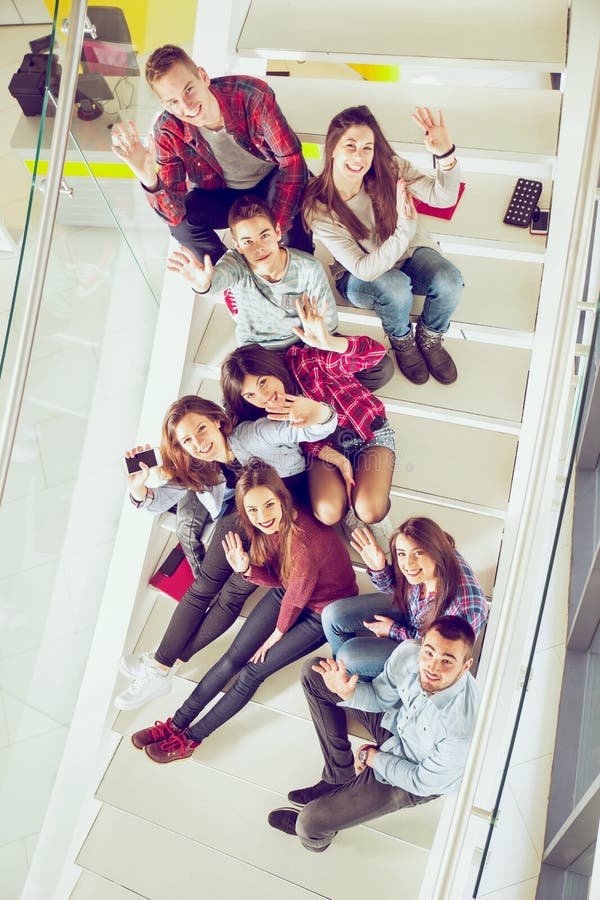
(351, 445)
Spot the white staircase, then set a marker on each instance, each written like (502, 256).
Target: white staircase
(199, 828)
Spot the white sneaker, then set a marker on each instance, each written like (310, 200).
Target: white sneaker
(152, 684)
(382, 532)
(350, 522)
(136, 665)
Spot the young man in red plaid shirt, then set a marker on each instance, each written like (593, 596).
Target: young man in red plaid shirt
(214, 141)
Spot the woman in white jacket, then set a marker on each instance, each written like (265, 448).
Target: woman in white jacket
(361, 208)
(203, 453)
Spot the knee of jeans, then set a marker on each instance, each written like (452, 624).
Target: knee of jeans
(393, 288)
(307, 675)
(447, 282)
(250, 677)
(346, 655)
(312, 823)
(328, 618)
(231, 604)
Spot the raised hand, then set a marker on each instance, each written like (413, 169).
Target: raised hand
(264, 648)
(404, 201)
(299, 411)
(237, 557)
(187, 264)
(380, 626)
(127, 145)
(137, 480)
(336, 677)
(371, 553)
(435, 134)
(314, 331)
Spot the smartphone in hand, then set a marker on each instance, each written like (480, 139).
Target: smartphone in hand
(151, 458)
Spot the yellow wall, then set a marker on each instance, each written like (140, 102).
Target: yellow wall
(151, 23)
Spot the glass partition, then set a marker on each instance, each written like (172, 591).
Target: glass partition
(573, 767)
(84, 390)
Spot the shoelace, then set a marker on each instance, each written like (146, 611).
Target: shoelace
(176, 741)
(140, 682)
(161, 730)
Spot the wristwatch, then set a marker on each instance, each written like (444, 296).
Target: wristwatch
(363, 755)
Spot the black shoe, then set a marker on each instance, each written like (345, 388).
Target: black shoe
(305, 795)
(284, 819)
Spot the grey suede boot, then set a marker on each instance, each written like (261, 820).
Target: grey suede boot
(440, 363)
(409, 358)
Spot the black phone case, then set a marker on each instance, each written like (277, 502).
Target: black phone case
(523, 203)
(168, 566)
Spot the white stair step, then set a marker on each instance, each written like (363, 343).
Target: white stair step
(479, 118)
(516, 35)
(455, 461)
(93, 887)
(491, 383)
(261, 747)
(158, 863)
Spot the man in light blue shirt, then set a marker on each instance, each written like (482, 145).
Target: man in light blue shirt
(421, 712)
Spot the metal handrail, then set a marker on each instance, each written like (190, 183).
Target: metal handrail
(58, 151)
(561, 359)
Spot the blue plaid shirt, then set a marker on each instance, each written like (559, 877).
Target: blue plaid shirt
(469, 602)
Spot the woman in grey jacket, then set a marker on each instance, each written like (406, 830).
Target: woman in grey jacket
(202, 453)
(361, 208)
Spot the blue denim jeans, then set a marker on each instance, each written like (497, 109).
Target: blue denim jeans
(305, 636)
(350, 641)
(391, 295)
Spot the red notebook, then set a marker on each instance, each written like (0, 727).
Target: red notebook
(174, 575)
(440, 212)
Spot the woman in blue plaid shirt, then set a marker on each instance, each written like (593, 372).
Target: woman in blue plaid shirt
(427, 578)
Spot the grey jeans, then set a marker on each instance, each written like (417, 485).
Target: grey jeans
(357, 798)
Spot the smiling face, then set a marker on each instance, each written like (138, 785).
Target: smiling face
(353, 155)
(264, 509)
(202, 438)
(415, 563)
(258, 241)
(259, 389)
(185, 93)
(441, 661)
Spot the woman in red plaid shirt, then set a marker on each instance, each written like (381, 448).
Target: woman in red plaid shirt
(362, 451)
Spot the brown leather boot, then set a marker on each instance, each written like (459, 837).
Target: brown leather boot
(409, 358)
(440, 363)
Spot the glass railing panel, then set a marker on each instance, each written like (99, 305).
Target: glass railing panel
(112, 89)
(64, 492)
(588, 767)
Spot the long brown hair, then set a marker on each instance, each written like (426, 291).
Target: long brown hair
(178, 465)
(252, 359)
(438, 544)
(380, 182)
(258, 474)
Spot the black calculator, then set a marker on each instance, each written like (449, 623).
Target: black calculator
(523, 203)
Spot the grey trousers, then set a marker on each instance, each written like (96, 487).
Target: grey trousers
(192, 516)
(357, 798)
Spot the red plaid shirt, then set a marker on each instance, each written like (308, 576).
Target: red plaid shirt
(329, 377)
(254, 119)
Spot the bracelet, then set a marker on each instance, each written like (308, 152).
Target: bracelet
(330, 415)
(448, 153)
(243, 574)
(450, 167)
(201, 293)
